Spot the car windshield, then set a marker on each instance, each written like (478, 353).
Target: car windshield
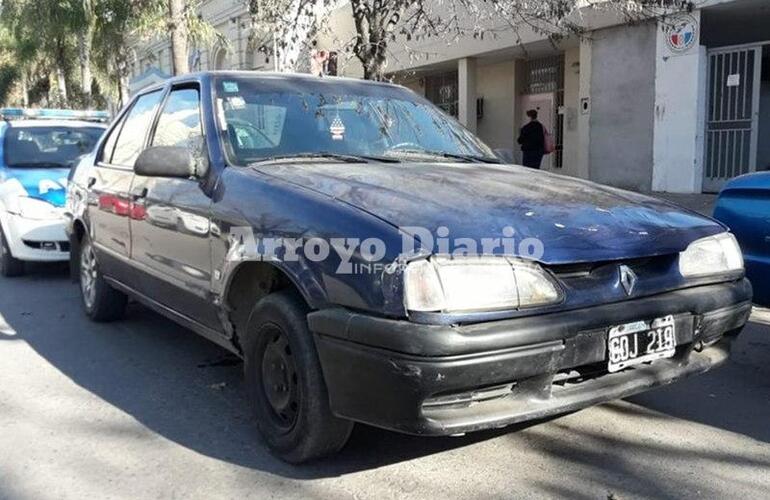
(47, 146)
(270, 118)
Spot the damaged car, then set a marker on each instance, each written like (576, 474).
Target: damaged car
(373, 262)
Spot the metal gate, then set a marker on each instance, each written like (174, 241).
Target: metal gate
(732, 119)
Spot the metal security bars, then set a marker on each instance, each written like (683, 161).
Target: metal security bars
(732, 114)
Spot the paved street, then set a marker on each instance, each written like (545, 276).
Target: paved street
(145, 409)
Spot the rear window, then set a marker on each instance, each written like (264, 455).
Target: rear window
(43, 147)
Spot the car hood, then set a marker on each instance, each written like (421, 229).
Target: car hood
(576, 220)
(48, 184)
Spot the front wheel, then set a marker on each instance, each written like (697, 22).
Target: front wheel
(286, 384)
(9, 265)
(101, 302)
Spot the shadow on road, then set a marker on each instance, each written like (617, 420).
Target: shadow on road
(190, 391)
(175, 383)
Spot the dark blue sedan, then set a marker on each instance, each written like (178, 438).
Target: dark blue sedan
(744, 206)
(372, 261)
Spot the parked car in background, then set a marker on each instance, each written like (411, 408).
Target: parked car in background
(326, 237)
(37, 150)
(744, 206)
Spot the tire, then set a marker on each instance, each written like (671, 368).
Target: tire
(9, 265)
(101, 302)
(291, 404)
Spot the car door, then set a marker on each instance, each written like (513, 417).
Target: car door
(109, 182)
(170, 241)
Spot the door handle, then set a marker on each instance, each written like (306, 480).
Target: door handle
(138, 194)
(91, 182)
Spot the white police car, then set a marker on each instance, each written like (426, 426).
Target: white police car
(37, 150)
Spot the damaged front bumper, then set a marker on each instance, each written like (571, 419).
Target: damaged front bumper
(441, 380)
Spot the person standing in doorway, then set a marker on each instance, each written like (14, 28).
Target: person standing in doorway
(532, 141)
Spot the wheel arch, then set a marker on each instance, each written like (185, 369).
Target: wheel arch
(249, 282)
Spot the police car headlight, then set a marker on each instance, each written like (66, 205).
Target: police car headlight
(713, 255)
(470, 284)
(36, 209)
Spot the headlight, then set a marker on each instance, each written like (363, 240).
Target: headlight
(464, 284)
(710, 256)
(33, 208)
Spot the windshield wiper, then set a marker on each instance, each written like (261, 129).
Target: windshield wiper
(444, 154)
(347, 158)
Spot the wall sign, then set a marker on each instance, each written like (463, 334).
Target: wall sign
(681, 33)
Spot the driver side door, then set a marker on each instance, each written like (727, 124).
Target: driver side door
(170, 223)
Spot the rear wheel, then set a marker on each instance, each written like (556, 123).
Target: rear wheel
(9, 266)
(101, 302)
(286, 384)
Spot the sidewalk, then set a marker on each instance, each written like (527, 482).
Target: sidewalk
(701, 203)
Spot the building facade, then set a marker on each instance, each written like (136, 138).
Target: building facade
(677, 104)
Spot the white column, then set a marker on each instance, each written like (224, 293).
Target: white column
(680, 103)
(466, 89)
(584, 111)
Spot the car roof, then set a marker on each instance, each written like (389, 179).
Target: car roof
(260, 75)
(54, 123)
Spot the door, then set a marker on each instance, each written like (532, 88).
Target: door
(732, 115)
(109, 183)
(170, 230)
(544, 105)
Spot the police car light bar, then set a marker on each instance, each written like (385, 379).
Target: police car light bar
(53, 114)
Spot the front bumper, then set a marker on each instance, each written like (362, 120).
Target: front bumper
(440, 380)
(36, 240)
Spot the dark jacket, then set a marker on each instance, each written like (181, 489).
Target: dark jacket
(532, 137)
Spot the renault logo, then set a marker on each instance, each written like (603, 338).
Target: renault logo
(627, 279)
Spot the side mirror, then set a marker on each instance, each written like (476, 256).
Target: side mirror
(169, 161)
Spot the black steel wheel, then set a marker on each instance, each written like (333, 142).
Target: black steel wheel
(286, 384)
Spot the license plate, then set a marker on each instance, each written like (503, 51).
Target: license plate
(640, 342)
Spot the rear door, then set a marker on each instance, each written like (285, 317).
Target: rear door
(170, 244)
(109, 183)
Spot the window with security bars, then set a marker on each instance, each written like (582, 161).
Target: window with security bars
(442, 91)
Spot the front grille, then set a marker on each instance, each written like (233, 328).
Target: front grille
(641, 266)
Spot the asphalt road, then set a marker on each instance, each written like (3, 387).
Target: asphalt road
(145, 409)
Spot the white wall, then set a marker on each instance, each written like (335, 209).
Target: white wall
(572, 71)
(680, 91)
(495, 83)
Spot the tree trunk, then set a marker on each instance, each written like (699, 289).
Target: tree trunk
(61, 77)
(61, 87)
(178, 30)
(84, 56)
(296, 26)
(121, 73)
(24, 90)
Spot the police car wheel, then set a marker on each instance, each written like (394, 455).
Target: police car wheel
(9, 266)
(101, 302)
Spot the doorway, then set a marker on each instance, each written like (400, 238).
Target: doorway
(544, 91)
(544, 105)
(734, 94)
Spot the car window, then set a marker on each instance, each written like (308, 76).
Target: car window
(109, 142)
(50, 146)
(130, 142)
(180, 122)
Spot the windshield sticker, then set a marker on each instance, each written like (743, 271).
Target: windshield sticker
(337, 129)
(236, 102)
(230, 86)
